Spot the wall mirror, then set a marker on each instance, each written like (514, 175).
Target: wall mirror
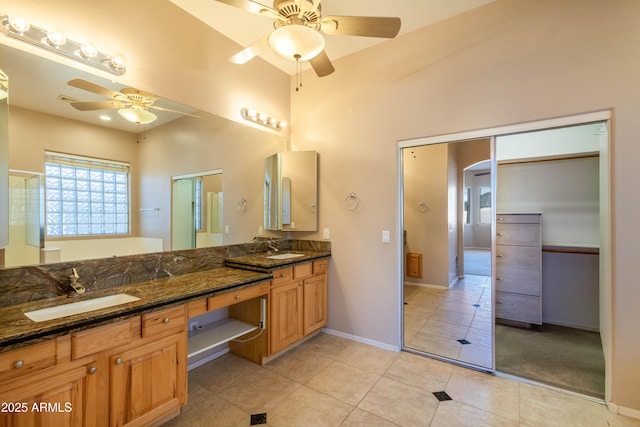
(447, 250)
(4, 157)
(291, 191)
(173, 145)
(197, 210)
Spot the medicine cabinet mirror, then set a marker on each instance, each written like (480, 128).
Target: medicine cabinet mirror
(291, 191)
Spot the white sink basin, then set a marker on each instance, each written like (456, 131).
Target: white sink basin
(79, 307)
(284, 256)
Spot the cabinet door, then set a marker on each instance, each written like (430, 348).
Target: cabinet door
(285, 315)
(148, 382)
(68, 398)
(315, 303)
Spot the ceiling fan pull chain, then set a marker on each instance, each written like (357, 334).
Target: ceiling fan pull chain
(298, 72)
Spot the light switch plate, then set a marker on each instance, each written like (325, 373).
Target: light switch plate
(386, 236)
(325, 233)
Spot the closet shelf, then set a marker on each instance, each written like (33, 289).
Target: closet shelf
(217, 333)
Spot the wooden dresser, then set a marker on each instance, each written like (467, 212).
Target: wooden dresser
(519, 267)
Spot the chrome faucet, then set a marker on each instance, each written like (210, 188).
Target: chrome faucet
(74, 285)
(271, 246)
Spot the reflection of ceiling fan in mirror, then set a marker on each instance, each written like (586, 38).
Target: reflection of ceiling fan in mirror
(132, 104)
(298, 24)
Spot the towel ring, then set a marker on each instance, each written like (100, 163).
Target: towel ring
(242, 204)
(352, 202)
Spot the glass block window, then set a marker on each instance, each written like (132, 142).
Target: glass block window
(85, 196)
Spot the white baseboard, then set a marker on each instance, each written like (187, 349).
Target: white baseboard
(621, 410)
(362, 340)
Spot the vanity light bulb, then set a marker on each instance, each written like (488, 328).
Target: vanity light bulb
(19, 24)
(116, 62)
(252, 113)
(55, 39)
(87, 51)
(263, 117)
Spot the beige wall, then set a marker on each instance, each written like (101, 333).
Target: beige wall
(504, 63)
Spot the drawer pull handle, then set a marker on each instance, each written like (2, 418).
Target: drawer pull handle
(498, 302)
(306, 282)
(119, 361)
(93, 370)
(283, 275)
(166, 320)
(500, 219)
(300, 283)
(498, 256)
(19, 364)
(237, 296)
(500, 234)
(498, 278)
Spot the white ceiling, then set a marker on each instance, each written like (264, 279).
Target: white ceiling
(245, 28)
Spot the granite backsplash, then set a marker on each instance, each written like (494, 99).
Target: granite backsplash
(24, 284)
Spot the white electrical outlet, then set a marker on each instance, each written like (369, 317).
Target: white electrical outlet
(260, 230)
(386, 236)
(194, 326)
(226, 229)
(325, 233)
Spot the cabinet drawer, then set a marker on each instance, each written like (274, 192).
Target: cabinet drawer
(302, 270)
(518, 234)
(521, 308)
(517, 219)
(164, 322)
(27, 360)
(197, 307)
(520, 257)
(282, 275)
(101, 338)
(235, 297)
(321, 266)
(517, 280)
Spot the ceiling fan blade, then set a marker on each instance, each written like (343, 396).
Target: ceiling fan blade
(365, 26)
(98, 105)
(250, 52)
(322, 64)
(173, 111)
(97, 89)
(251, 6)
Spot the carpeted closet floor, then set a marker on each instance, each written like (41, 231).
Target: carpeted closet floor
(567, 358)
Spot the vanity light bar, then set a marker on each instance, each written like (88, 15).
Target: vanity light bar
(262, 119)
(54, 41)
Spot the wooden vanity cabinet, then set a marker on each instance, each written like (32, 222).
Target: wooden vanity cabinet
(129, 373)
(298, 303)
(148, 381)
(65, 393)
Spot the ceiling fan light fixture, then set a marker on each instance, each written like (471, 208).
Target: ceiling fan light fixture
(137, 115)
(296, 42)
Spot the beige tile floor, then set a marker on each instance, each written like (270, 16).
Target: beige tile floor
(332, 381)
(434, 319)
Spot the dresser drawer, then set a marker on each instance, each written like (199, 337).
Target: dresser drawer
(522, 308)
(234, 297)
(518, 234)
(517, 219)
(517, 280)
(164, 322)
(27, 360)
(321, 266)
(520, 257)
(94, 340)
(282, 275)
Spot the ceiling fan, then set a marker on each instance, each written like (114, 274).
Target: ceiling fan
(298, 24)
(132, 104)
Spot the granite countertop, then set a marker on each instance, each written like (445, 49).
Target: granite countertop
(17, 328)
(260, 262)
